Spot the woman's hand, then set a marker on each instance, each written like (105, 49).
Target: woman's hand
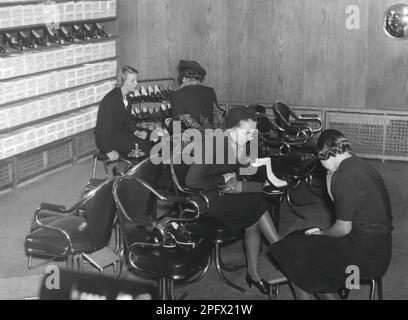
(228, 176)
(141, 134)
(233, 186)
(113, 155)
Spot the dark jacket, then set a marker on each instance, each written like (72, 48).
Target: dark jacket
(114, 126)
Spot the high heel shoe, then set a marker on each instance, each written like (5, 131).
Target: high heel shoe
(262, 285)
(38, 40)
(24, 40)
(51, 36)
(11, 41)
(66, 35)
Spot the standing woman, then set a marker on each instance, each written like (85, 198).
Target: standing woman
(361, 235)
(193, 103)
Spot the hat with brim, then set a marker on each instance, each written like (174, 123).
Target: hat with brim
(192, 65)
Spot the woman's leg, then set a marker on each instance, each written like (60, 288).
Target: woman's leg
(267, 228)
(253, 242)
(253, 247)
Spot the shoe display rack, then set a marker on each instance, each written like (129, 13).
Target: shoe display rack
(151, 102)
(56, 64)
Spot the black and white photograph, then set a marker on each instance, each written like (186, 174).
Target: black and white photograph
(220, 153)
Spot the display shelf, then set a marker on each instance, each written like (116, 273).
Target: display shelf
(62, 23)
(55, 116)
(59, 69)
(50, 94)
(52, 125)
(15, 3)
(13, 52)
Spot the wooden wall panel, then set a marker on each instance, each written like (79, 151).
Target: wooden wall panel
(297, 51)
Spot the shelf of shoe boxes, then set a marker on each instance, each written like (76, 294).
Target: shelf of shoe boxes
(155, 106)
(49, 97)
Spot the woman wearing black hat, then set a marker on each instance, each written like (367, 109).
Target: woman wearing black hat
(193, 103)
(240, 205)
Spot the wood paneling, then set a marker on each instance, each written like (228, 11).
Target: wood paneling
(297, 51)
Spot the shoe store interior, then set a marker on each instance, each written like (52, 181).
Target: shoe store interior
(108, 191)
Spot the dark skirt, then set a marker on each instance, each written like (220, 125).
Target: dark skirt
(319, 264)
(237, 211)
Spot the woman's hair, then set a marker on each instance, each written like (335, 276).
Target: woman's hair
(191, 75)
(332, 142)
(238, 114)
(123, 72)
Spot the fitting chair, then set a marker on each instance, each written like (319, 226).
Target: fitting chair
(209, 227)
(294, 129)
(84, 228)
(148, 246)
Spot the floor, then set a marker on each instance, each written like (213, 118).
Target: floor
(64, 187)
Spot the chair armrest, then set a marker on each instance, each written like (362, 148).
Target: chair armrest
(169, 198)
(309, 116)
(45, 226)
(53, 207)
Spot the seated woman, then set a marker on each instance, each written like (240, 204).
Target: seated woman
(238, 210)
(361, 235)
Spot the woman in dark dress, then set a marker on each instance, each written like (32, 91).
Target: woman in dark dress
(115, 132)
(319, 262)
(238, 210)
(193, 103)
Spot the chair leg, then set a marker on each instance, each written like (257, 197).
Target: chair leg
(94, 167)
(170, 289)
(217, 256)
(162, 288)
(373, 283)
(290, 204)
(380, 289)
(105, 166)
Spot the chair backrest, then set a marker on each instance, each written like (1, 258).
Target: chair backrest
(134, 202)
(179, 173)
(99, 210)
(282, 114)
(137, 201)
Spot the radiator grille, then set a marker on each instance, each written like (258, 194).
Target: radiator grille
(85, 143)
(365, 132)
(30, 165)
(59, 154)
(6, 177)
(396, 141)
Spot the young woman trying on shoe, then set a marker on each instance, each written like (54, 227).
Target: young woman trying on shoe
(237, 209)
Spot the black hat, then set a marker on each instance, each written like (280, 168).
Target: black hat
(193, 65)
(237, 114)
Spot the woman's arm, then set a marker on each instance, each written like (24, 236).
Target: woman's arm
(339, 229)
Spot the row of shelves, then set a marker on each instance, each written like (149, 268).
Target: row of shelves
(36, 110)
(39, 86)
(54, 13)
(46, 132)
(37, 62)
